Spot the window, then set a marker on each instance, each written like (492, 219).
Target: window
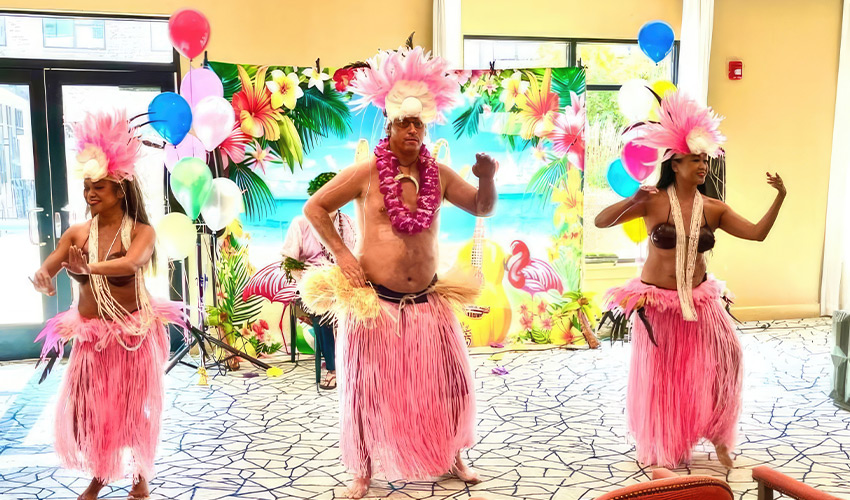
(614, 63)
(89, 34)
(74, 33)
(160, 41)
(92, 38)
(609, 64)
(59, 33)
(479, 53)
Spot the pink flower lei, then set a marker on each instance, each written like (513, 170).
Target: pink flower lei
(430, 193)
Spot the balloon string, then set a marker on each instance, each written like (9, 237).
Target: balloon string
(192, 93)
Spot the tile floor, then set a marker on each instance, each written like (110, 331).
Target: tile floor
(552, 428)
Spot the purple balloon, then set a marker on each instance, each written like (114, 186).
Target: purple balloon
(190, 147)
(199, 83)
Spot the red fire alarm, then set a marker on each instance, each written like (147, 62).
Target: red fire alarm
(736, 70)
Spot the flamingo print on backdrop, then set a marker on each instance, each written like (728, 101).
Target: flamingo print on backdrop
(531, 275)
(271, 282)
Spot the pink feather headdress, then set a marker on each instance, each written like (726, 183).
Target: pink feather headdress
(685, 127)
(107, 147)
(406, 83)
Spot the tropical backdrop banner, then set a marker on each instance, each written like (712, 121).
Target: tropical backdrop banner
(293, 123)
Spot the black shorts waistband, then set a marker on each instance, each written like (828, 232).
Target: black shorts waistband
(395, 297)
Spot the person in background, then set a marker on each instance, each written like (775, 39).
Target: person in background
(303, 246)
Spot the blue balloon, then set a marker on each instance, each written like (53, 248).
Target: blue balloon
(656, 40)
(171, 116)
(620, 181)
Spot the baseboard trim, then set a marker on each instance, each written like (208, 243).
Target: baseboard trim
(766, 313)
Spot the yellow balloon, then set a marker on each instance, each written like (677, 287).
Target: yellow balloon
(662, 88)
(635, 229)
(176, 234)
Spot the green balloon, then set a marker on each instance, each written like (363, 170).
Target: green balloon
(191, 183)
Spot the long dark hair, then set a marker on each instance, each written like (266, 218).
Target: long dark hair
(133, 204)
(668, 176)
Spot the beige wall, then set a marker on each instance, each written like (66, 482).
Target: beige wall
(282, 31)
(778, 118)
(566, 18)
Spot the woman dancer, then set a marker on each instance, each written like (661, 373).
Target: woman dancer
(111, 397)
(685, 378)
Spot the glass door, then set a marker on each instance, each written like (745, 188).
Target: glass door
(26, 209)
(40, 198)
(77, 93)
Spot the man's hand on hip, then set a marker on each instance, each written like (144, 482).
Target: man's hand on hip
(351, 269)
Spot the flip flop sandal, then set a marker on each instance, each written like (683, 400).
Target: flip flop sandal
(329, 383)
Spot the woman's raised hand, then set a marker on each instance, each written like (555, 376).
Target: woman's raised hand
(776, 183)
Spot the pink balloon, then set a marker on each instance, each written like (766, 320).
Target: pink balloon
(212, 121)
(639, 160)
(200, 83)
(189, 31)
(190, 147)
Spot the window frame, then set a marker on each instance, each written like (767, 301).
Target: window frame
(88, 64)
(572, 51)
(572, 60)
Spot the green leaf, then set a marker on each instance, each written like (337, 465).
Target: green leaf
(273, 348)
(248, 310)
(283, 151)
(517, 143)
(570, 306)
(564, 81)
(467, 122)
(230, 77)
(544, 180)
(259, 200)
(541, 336)
(317, 115)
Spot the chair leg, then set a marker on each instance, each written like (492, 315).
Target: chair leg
(318, 343)
(293, 333)
(765, 492)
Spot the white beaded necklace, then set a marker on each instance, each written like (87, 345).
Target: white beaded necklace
(107, 306)
(686, 252)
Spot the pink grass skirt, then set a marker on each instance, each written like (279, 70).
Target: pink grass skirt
(110, 400)
(406, 393)
(689, 386)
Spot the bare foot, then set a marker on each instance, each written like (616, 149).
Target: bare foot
(464, 473)
(140, 490)
(723, 455)
(358, 487)
(92, 491)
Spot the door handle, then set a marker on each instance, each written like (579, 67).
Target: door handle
(32, 215)
(57, 225)
(67, 218)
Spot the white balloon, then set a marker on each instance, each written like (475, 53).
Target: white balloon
(212, 121)
(635, 100)
(224, 204)
(176, 235)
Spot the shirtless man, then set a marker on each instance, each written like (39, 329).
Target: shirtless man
(405, 384)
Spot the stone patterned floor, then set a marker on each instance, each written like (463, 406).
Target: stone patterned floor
(552, 428)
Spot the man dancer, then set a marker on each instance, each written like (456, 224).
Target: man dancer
(407, 406)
